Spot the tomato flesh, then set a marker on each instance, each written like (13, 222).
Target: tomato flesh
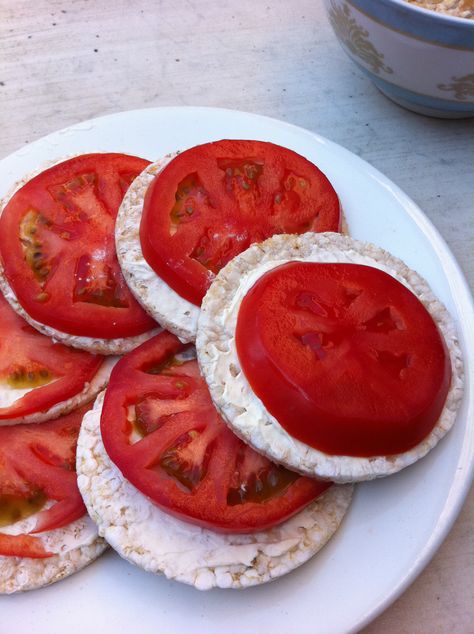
(345, 357)
(160, 428)
(213, 201)
(22, 546)
(28, 359)
(37, 465)
(58, 250)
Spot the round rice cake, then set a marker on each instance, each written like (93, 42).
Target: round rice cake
(157, 542)
(75, 546)
(245, 413)
(164, 304)
(94, 345)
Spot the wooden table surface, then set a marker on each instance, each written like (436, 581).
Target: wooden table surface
(65, 61)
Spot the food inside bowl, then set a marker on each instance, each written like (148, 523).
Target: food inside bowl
(458, 8)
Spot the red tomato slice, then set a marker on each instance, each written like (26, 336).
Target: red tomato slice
(213, 201)
(58, 250)
(37, 465)
(345, 357)
(22, 546)
(162, 431)
(28, 359)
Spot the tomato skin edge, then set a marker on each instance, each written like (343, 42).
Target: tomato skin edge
(70, 510)
(250, 526)
(22, 546)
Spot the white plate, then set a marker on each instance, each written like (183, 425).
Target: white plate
(394, 525)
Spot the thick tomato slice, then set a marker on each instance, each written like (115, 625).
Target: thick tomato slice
(213, 201)
(37, 468)
(58, 249)
(345, 357)
(161, 429)
(29, 360)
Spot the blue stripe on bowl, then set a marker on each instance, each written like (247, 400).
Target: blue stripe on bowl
(420, 23)
(422, 104)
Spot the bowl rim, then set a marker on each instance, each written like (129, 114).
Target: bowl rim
(430, 14)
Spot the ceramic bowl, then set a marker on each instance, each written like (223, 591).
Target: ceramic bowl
(420, 59)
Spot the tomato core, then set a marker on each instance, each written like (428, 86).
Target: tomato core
(213, 201)
(346, 358)
(160, 428)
